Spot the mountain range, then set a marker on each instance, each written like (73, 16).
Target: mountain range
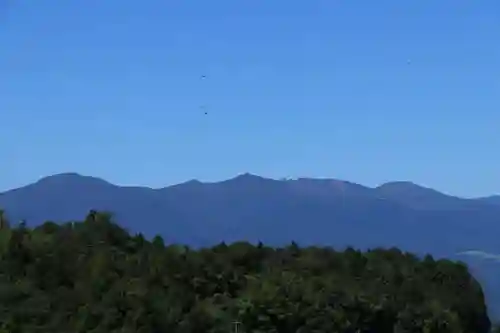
(305, 210)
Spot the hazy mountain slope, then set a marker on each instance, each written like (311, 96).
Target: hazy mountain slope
(308, 211)
(419, 197)
(494, 199)
(319, 211)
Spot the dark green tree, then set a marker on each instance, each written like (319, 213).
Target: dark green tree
(93, 276)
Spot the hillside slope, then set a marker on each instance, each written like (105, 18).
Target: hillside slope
(253, 208)
(93, 276)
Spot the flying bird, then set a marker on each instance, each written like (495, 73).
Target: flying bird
(203, 106)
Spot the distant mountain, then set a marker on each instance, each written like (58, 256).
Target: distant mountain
(494, 199)
(308, 211)
(419, 197)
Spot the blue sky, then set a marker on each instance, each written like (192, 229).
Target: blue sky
(367, 91)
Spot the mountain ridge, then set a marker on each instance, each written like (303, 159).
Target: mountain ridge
(247, 175)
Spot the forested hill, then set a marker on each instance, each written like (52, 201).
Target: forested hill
(93, 276)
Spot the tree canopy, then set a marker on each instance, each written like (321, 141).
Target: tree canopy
(94, 276)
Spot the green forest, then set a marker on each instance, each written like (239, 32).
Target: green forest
(94, 276)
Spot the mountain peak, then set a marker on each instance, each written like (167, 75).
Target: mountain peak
(188, 184)
(421, 197)
(68, 178)
(404, 186)
(248, 177)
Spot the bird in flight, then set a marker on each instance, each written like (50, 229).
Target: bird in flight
(203, 106)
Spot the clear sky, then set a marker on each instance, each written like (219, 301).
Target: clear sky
(367, 91)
